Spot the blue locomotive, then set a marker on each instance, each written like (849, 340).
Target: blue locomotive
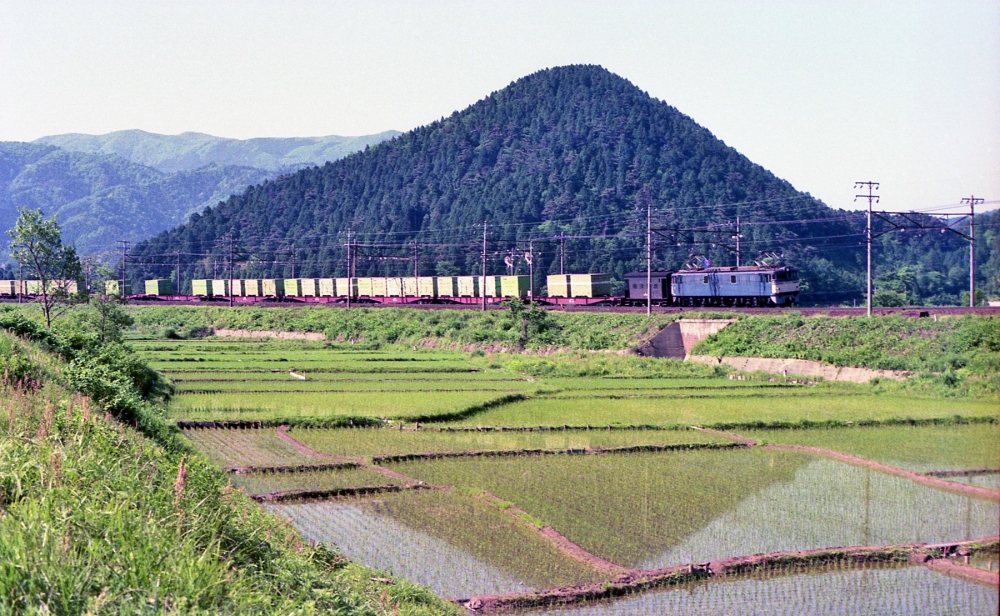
(716, 286)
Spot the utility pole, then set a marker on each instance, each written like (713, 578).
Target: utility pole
(649, 260)
(230, 270)
(20, 281)
(531, 270)
(293, 259)
(416, 258)
(349, 285)
(562, 252)
(177, 289)
(972, 201)
(124, 244)
(738, 237)
(482, 290)
(872, 198)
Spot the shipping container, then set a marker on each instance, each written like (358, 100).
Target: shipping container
(8, 287)
(199, 287)
(239, 287)
(410, 287)
(293, 287)
(589, 285)
(379, 287)
(252, 287)
(159, 287)
(273, 287)
(558, 285)
(394, 287)
(427, 286)
(310, 287)
(327, 287)
(514, 286)
(220, 287)
(468, 286)
(347, 287)
(492, 286)
(447, 286)
(365, 286)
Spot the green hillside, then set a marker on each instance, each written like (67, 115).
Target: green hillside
(190, 151)
(101, 198)
(574, 150)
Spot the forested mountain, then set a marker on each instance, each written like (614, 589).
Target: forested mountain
(574, 150)
(100, 198)
(190, 151)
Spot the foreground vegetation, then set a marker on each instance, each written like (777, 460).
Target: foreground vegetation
(106, 510)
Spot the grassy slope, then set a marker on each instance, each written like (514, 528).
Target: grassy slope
(95, 517)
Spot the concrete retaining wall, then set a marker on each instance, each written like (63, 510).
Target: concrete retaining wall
(678, 338)
(802, 367)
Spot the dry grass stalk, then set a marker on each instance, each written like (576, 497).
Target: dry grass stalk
(179, 482)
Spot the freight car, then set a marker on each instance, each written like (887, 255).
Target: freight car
(719, 286)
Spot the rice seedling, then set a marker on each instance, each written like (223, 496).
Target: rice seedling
(653, 510)
(917, 591)
(374, 441)
(233, 448)
(706, 411)
(920, 448)
(249, 406)
(265, 483)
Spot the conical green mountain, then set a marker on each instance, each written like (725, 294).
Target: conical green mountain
(574, 150)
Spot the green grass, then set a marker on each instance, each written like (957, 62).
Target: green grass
(265, 483)
(334, 387)
(250, 406)
(97, 518)
(374, 441)
(705, 411)
(918, 448)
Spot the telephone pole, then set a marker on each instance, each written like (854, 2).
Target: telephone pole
(349, 286)
(177, 289)
(482, 290)
(124, 244)
(972, 201)
(562, 252)
(416, 258)
(649, 260)
(738, 237)
(531, 270)
(230, 270)
(872, 198)
(293, 259)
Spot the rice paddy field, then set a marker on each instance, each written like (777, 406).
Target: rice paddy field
(483, 477)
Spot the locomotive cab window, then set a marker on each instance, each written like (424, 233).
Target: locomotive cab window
(732, 279)
(705, 279)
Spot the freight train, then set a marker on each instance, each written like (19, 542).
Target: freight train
(717, 286)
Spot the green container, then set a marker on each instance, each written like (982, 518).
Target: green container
(159, 287)
(111, 287)
(492, 286)
(201, 288)
(252, 288)
(589, 285)
(293, 287)
(364, 286)
(558, 285)
(514, 286)
(273, 287)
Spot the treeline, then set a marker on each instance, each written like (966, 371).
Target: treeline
(573, 150)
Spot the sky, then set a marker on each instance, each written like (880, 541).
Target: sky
(823, 94)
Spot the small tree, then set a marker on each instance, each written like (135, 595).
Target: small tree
(37, 243)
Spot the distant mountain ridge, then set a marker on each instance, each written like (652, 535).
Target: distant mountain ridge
(190, 151)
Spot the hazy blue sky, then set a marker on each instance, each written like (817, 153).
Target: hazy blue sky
(821, 93)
